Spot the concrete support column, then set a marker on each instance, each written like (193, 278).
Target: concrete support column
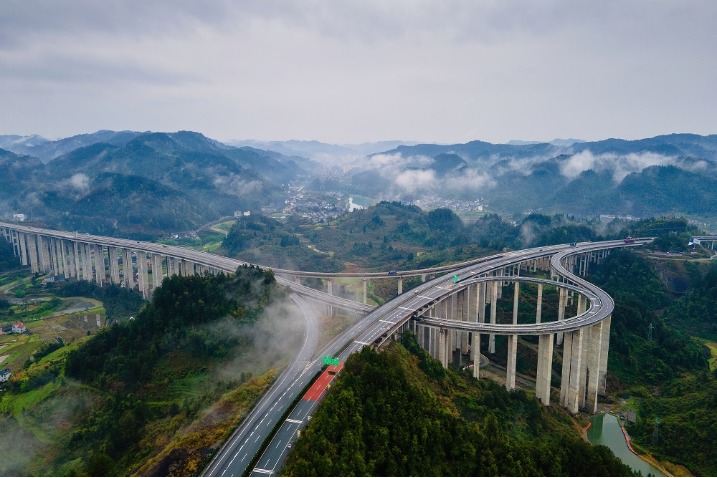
(442, 348)
(42, 254)
(114, 265)
(561, 311)
(60, 269)
(400, 285)
(593, 366)
(510, 366)
(582, 381)
(365, 290)
(77, 251)
(128, 269)
(66, 266)
(475, 348)
(463, 306)
(87, 263)
(545, 367)
(493, 313)
(32, 252)
(539, 306)
(22, 237)
(573, 397)
(142, 276)
(15, 241)
(604, 348)
(516, 295)
(481, 302)
(565, 375)
(157, 273)
(99, 254)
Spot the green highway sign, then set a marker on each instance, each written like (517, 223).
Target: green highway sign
(455, 278)
(328, 360)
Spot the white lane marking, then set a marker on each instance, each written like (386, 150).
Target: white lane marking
(361, 343)
(387, 321)
(424, 297)
(406, 308)
(262, 470)
(291, 420)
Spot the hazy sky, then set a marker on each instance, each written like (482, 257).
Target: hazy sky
(352, 71)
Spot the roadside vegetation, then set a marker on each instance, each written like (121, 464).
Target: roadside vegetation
(399, 413)
(154, 395)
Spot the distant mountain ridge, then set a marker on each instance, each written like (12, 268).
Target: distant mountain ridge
(138, 184)
(53, 181)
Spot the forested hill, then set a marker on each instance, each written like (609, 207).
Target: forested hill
(399, 413)
(156, 395)
(392, 235)
(656, 366)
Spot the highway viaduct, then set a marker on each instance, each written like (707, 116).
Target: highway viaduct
(447, 313)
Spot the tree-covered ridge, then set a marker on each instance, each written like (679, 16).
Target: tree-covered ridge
(665, 377)
(697, 310)
(158, 393)
(395, 413)
(392, 235)
(639, 298)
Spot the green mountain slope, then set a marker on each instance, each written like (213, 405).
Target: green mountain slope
(397, 413)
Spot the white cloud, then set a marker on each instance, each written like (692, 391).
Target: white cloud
(414, 180)
(80, 182)
(619, 165)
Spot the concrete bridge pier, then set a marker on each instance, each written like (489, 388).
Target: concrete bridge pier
(442, 347)
(493, 314)
(510, 364)
(157, 272)
(545, 365)
(99, 264)
(400, 285)
(574, 363)
(365, 290)
(32, 251)
(114, 265)
(128, 269)
(562, 295)
(22, 238)
(593, 368)
(604, 348)
(475, 349)
(539, 305)
(87, 262)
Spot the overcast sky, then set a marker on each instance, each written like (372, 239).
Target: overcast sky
(338, 71)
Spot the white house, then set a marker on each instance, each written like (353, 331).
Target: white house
(5, 375)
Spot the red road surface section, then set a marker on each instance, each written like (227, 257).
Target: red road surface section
(322, 383)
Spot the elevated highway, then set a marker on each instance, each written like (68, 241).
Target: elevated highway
(448, 314)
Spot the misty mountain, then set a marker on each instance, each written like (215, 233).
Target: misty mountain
(48, 150)
(185, 176)
(131, 205)
(320, 151)
(16, 171)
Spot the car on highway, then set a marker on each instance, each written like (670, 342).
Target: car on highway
(629, 240)
(392, 273)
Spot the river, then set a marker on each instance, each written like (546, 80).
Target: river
(605, 430)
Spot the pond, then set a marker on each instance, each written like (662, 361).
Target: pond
(605, 430)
